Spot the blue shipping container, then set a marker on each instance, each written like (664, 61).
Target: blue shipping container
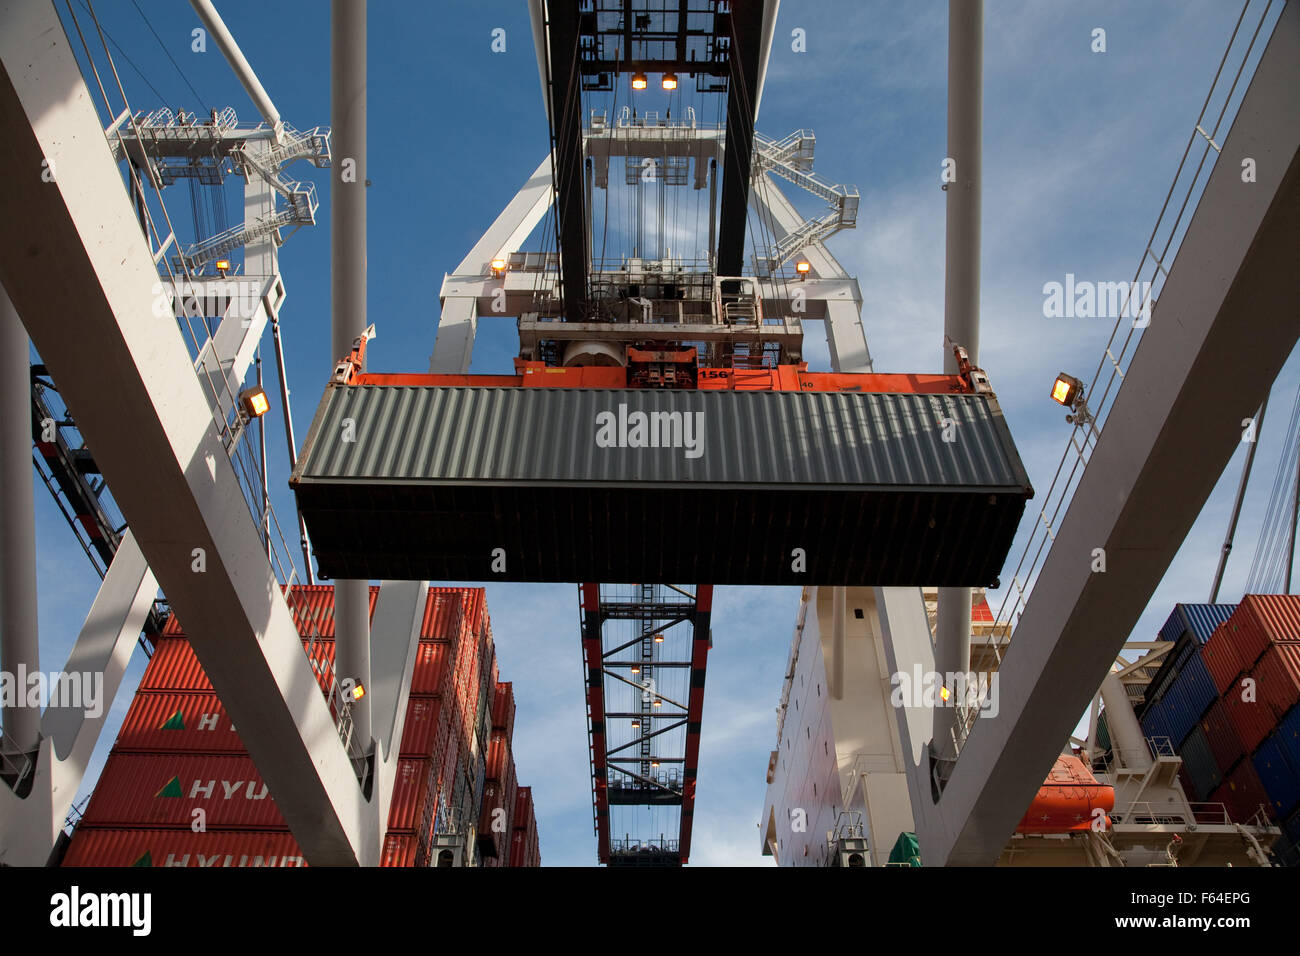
(1280, 777)
(1155, 725)
(1200, 619)
(1188, 696)
(1200, 763)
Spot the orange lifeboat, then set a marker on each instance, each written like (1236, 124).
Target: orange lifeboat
(1067, 799)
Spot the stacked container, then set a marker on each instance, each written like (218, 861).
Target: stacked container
(524, 850)
(1242, 747)
(179, 788)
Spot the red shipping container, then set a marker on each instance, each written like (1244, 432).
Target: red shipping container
(523, 805)
(1242, 793)
(1225, 743)
(497, 756)
(1221, 657)
(1252, 720)
(399, 850)
(493, 821)
(164, 789)
(177, 723)
(1277, 678)
(430, 671)
(92, 846)
(519, 848)
(444, 613)
(1260, 620)
(410, 791)
(174, 667)
(503, 709)
(423, 721)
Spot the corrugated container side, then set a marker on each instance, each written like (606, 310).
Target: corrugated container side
(498, 756)
(1252, 720)
(399, 850)
(423, 720)
(163, 789)
(1201, 619)
(174, 667)
(1242, 793)
(1222, 658)
(1277, 678)
(523, 804)
(444, 614)
(503, 709)
(1225, 743)
(1188, 696)
(410, 790)
(94, 846)
(1280, 777)
(430, 671)
(1199, 761)
(177, 723)
(519, 847)
(1155, 727)
(1276, 616)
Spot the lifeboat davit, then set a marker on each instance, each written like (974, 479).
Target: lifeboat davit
(1067, 800)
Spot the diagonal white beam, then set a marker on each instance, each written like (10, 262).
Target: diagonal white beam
(82, 279)
(1225, 322)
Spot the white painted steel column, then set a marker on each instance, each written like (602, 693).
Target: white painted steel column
(226, 42)
(19, 641)
(839, 608)
(1126, 737)
(961, 290)
(348, 297)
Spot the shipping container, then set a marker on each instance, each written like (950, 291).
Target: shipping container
(1199, 761)
(1260, 620)
(493, 821)
(523, 804)
(1187, 696)
(1277, 678)
(385, 516)
(1155, 727)
(1242, 793)
(1199, 619)
(420, 737)
(399, 850)
(1280, 777)
(164, 790)
(503, 709)
(410, 791)
(430, 672)
(444, 614)
(94, 846)
(498, 755)
(1225, 743)
(1252, 720)
(1222, 658)
(192, 722)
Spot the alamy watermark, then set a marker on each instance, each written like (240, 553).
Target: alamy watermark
(82, 690)
(969, 689)
(1084, 299)
(624, 429)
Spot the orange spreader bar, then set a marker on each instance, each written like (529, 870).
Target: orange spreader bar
(782, 378)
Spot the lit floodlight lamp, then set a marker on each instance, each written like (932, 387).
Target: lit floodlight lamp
(1067, 390)
(639, 81)
(670, 81)
(253, 402)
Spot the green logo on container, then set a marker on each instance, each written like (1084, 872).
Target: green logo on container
(172, 788)
(146, 860)
(174, 722)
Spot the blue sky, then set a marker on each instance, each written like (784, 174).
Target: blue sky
(1079, 150)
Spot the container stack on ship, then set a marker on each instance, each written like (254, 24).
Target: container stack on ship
(179, 789)
(1227, 701)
